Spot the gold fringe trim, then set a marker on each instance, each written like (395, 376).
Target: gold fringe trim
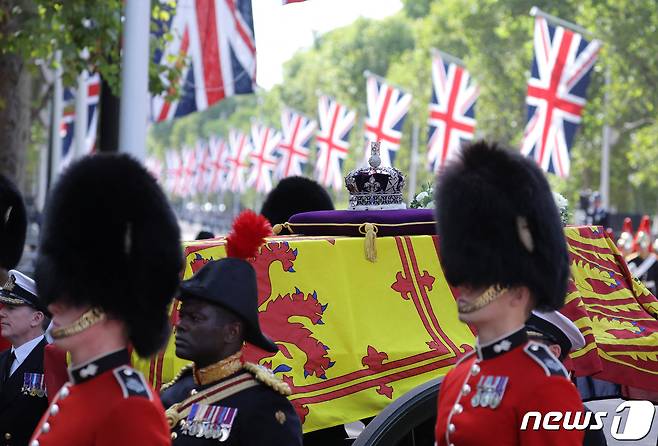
(266, 376)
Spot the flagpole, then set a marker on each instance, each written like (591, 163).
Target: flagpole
(604, 185)
(536, 12)
(134, 79)
(56, 139)
(81, 121)
(448, 57)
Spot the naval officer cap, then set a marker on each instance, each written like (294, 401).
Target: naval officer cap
(556, 328)
(19, 289)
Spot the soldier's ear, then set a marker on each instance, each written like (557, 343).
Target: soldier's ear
(233, 332)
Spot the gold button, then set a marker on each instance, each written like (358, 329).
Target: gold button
(452, 428)
(475, 369)
(174, 435)
(7, 436)
(466, 389)
(45, 428)
(54, 409)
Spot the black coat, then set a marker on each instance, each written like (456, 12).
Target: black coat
(264, 416)
(20, 413)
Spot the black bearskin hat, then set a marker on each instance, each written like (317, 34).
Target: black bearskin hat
(110, 240)
(498, 223)
(13, 224)
(294, 195)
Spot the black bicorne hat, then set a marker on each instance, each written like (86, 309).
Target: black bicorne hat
(110, 240)
(498, 223)
(13, 224)
(231, 282)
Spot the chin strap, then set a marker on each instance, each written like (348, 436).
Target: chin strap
(88, 318)
(484, 299)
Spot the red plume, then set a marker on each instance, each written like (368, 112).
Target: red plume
(247, 235)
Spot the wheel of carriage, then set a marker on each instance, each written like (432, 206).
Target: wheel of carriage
(408, 421)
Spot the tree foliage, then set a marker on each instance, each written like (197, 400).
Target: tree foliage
(494, 39)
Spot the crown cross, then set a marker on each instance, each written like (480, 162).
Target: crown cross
(9, 284)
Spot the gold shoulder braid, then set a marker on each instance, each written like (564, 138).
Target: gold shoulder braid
(178, 376)
(266, 376)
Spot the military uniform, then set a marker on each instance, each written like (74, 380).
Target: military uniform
(106, 403)
(22, 397)
(247, 407)
(645, 269)
(484, 398)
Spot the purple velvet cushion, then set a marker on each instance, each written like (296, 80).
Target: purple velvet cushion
(394, 222)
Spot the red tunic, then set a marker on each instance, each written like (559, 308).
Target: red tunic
(108, 404)
(509, 378)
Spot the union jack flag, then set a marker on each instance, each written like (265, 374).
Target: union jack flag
(387, 108)
(297, 133)
(154, 166)
(452, 110)
(336, 121)
(263, 159)
(174, 172)
(218, 154)
(67, 128)
(188, 177)
(213, 41)
(203, 167)
(238, 161)
(93, 96)
(561, 70)
(69, 111)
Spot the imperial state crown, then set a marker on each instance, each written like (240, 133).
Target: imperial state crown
(375, 187)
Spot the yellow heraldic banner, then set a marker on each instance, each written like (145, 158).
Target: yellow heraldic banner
(353, 335)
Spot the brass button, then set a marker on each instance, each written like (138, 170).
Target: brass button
(54, 409)
(475, 369)
(174, 435)
(7, 436)
(466, 389)
(45, 428)
(451, 428)
(64, 392)
(34, 443)
(457, 409)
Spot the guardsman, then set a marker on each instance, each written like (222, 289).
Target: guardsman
(13, 226)
(503, 248)
(22, 386)
(561, 336)
(108, 268)
(221, 398)
(642, 263)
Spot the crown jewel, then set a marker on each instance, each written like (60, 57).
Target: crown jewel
(375, 187)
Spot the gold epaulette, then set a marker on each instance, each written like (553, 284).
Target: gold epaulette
(265, 375)
(178, 376)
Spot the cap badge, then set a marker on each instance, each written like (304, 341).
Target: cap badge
(9, 284)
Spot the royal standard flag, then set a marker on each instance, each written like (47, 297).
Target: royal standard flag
(353, 335)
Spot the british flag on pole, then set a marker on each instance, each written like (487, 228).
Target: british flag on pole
(189, 174)
(219, 152)
(561, 69)
(213, 42)
(336, 121)
(174, 172)
(294, 148)
(238, 161)
(452, 109)
(263, 157)
(387, 108)
(203, 167)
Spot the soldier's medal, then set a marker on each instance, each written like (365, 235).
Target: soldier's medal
(487, 392)
(475, 401)
(499, 392)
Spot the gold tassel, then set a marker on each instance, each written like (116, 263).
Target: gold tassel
(370, 230)
(276, 230)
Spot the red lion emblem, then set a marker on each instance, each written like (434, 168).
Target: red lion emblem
(275, 317)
